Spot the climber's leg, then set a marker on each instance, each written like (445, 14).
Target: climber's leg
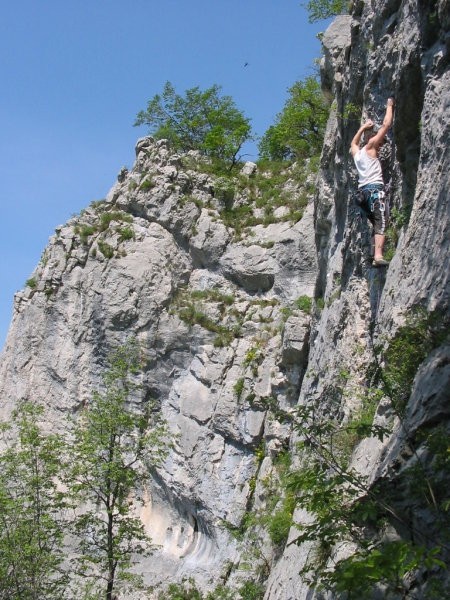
(379, 245)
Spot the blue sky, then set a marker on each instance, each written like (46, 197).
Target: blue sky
(74, 74)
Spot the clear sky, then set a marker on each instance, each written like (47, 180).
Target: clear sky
(74, 74)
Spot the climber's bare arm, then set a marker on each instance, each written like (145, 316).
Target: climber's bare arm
(377, 140)
(354, 148)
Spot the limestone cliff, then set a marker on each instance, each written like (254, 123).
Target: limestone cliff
(401, 49)
(173, 257)
(207, 272)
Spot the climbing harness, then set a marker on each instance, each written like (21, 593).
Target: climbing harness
(371, 199)
(369, 195)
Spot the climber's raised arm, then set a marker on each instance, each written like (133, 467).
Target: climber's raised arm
(377, 140)
(357, 138)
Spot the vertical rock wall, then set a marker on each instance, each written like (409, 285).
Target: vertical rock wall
(384, 48)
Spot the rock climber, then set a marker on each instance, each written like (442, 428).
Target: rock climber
(371, 190)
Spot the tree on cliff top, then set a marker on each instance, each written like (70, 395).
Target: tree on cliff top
(299, 128)
(324, 9)
(199, 120)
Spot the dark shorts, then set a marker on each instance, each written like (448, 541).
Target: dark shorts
(372, 199)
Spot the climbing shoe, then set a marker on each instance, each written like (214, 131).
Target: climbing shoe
(379, 262)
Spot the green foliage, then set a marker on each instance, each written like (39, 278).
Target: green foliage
(31, 510)
(85, 231)
(106, 249)
(49, 291)
(270, 403)
(239, 217)
(343, 511)
(321, 493)
(192, 311)
(181, 591)
(280, 521)
(254, 355)
(304, 303)
(251, 590)
(407, 350)
(277, 515)
(399, 218)
(147, 184)
(240, 196)
(351, 112)
(188, 590)
(107, 217)
(320, 304)
(324, 9)
(300, 127)
(260, 452)
(98, 204)
(385, 565)
(224, 190)
(214, 295)
(238, 387)
(194, 316)
(125, 233)
(359, 426)
(115, 443)
(199, 120)
(44, 258)
(31, 283)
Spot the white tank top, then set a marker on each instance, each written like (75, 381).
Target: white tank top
(369, 169)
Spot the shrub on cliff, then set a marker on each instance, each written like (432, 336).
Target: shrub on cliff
(199, 120)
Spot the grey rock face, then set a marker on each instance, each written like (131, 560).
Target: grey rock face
(249, 168)
(155, 260)
(383, 49)
(250, 267)
(209, 241)
(336, 42)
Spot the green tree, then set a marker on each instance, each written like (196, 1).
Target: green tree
(299, 128)
(31, 510)
(199, 120)
(324, 9)
(117, 441)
